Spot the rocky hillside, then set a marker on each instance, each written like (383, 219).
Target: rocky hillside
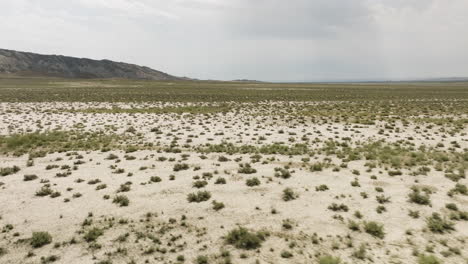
(31, 64)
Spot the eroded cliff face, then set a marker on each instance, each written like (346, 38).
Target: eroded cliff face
(25, 63)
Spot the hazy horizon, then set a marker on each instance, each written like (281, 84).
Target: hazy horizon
(272, 40)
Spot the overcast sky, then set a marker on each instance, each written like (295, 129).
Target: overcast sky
(276, 40)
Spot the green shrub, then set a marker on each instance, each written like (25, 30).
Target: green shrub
(93, 234)
(220, 180)
(459, 189)
(282, 173)
(286, 254)
(355, 183)
(223, 159)
(381, 199)
(124, 188)
(252, 182)
(416, 196)
(329, 260)
(180, 166)
(30, 177)
(121, 200)
(198, 197)
(413, 214)
(437, 224)
(395, 173)
(112, 157)
(9, 170)
(338, 207)
(201, 260)
(49, 259)
(360, 253)
(321, 188)
(155, 179)
(451, 206)
(353, 225)
(40, 239)
(101, 186)
(243, 239)
(217, 205)
(289, 194)
(44, 191)
(375, 229)
(316, 167)
(246, 169)
(199, 184)
(428, 259)
(55, 194)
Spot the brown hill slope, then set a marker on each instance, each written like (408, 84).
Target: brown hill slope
(32, 64)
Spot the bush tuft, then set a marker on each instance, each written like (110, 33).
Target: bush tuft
(243, 239)
(40, 239)
(375, 229)
(199, 197)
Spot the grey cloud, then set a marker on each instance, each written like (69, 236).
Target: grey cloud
(301, 19)
(255, 39)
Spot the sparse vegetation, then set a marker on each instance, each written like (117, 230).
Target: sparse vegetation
(40, 239)
(121, 200)
(329, 260)
(289, 194)
(199, 196)
(375, 229)
(437, 224)
(354, 152)
(244, 239)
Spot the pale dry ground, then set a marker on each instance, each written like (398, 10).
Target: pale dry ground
(249, 207)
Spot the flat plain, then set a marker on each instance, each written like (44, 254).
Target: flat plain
(115, 171)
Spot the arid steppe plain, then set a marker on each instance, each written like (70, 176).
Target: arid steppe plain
(112, 171)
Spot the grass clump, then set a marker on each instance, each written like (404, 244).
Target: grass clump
(282, 173)
(437, 224)
(286, 254)
(244, 239)
(458, 189)
(155, 179)
(418, 197)
(121, 200)
(338, 207)
(428, 259)
(217, 205)
(9, 170)
(49, 259)
(246, 169)
(20, 144)
(93, 234)
(329, 260)
(44, 191)
(40, 239)
(252, 182)
(289, 195)
(199, 197)
(181, 166)
(199, 184)
(30, 177)
(321, 188)
(375, 229)
(220, 180)
(201, 260)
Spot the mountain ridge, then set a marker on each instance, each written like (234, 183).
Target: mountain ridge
(14, 62)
